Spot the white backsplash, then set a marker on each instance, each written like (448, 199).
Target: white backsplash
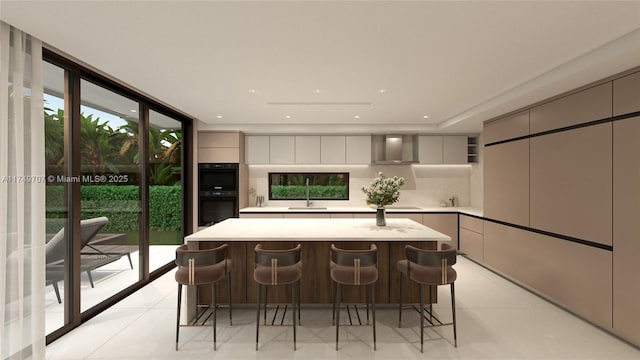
(426, 185)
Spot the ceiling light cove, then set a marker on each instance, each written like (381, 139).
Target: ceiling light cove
(319, 103)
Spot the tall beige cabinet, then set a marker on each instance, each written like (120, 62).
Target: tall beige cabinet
(562, 198)
(222, 147)
(626, 238)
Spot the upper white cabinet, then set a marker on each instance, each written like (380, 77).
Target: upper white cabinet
(454, 149)
(443, 149)
(358, 150)
(281, 150)
(257, 150)
(332, 150)
(307, 149)
(430, 149)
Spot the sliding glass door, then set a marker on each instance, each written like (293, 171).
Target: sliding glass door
(165, 188)
(109, 194)
(115, 194)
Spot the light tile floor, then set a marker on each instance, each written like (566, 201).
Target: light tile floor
(496, 320)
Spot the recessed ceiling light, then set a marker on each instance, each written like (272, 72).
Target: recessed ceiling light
(252, 91)
(219, 116)
(382, 91)
(426, 116)
(317, 91)
(134, 111)
(288, 116)
(357, 116)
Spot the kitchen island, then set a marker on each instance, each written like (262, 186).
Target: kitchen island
(316, 236)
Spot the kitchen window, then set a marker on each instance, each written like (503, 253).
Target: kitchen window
(320, 186)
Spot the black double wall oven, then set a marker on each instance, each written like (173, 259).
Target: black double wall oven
(217, 192)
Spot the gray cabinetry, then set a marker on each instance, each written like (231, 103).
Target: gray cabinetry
(506, 128)
(626, 249)
(571, 183)
(506, 182)
(626, 94)
(594, 103)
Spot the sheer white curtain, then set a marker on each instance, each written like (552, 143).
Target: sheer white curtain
(22, 196)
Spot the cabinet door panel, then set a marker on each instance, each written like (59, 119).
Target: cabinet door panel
(454, 150)
(332, 150)
(506, 182)
(626, 247)
(507, 128)
(358, 150)
(573, 275)
(308, 150)
(471, 223)
(281, 150)
(218, 155)
(430, 149)
(471, 243)
(257, 149)
(587, 105)
(626, 94)
(571, 183)
(218, 139)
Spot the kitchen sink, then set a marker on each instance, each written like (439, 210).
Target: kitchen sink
(306, 208)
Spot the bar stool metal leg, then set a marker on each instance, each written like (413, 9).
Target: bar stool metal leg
(337, 313)
(293, 305)
(373, 312)
(229, 297)
(400, 304)
(214, 310)
(421, 318)
(453, 312)
(178, 319)
(258, 317)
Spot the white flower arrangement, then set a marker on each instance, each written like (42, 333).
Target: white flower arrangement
(383, 191)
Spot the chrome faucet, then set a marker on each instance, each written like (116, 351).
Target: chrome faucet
(308, 201)
(452, 200)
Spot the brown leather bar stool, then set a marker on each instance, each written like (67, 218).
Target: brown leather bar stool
(278, 267)
(201, 267)
(429, 268)
(354, 267)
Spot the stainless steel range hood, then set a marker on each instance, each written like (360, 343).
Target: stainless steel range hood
(394, 149)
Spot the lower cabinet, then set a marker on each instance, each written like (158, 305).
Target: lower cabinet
(575, 276)
(471, 237)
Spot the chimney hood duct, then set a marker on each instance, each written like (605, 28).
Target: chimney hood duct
(394, 149)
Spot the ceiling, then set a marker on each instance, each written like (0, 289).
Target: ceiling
(342, 67)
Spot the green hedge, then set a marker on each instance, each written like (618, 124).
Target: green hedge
(120, 203)
(315, 192)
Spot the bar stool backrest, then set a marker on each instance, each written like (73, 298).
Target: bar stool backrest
(443, 259)
(203, 257)
(200, 258)
(286, 257)
(346, 257)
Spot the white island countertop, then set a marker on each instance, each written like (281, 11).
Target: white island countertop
(287, 229)
(362, 209)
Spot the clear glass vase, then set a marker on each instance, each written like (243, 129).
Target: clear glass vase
(380, 216)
